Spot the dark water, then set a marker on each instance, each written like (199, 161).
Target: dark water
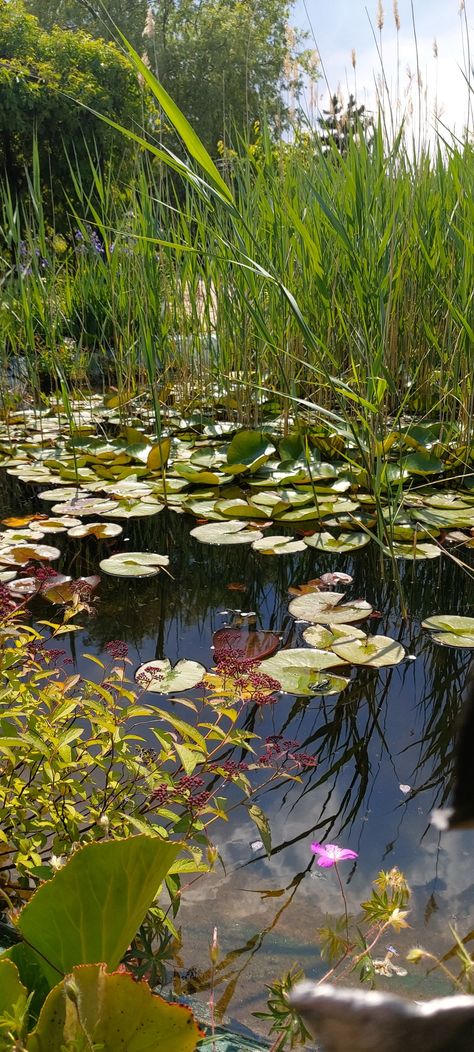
(388, 728)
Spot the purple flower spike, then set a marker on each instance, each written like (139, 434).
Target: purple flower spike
(329, 854)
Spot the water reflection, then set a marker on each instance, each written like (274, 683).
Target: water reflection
(388, 728)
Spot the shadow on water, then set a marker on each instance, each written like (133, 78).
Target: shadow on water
(384, 748)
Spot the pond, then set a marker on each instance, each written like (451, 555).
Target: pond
(384, 751)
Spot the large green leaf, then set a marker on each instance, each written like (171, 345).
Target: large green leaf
(249, 449)
(92, 908)
(328, 608)
(91, 1009)
(451, 630)
(12, 990)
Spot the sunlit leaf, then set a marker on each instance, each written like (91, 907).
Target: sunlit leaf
(134, 564)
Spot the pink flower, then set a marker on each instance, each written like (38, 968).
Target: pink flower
(329, 854)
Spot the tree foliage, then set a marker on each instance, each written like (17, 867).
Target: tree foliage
(42, 74)
(224, 62)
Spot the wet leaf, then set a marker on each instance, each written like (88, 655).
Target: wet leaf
(326, 608)
(231, 532)
(263, 826)
(100, 530)
(450, 630)
(161, 677)
(345, 542)
(134, 564)
(376, 651)
(278, 545)
(244, 644)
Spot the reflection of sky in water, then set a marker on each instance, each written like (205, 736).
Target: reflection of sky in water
(388, 728)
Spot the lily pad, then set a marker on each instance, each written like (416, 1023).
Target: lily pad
(323, 638)
(328, 608)
(345, 542)
(62, 590)
(417, 550)
(376, 651)
(101, 530)
(161, 677)
(85, 506)
(231, 532)
(450, 630)
(276, 545)
(20, 554)
(134, 564)
(304, 671)
(243, 644)
(134, 509)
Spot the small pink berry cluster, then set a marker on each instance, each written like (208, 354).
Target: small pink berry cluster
(116, 648)
(254, 686)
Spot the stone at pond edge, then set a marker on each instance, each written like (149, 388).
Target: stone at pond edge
(345, 1020)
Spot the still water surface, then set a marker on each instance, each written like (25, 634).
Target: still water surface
(389, 728)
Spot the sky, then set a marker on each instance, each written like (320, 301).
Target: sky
(337, 26)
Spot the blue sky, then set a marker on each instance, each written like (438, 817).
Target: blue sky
(341, 25)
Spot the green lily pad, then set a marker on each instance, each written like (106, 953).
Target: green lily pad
(376, 651)
(101, 530)
(304, 672)
(64, 493)
(323, 638)
(274, 545)
(451, 630)
(134, 564)
(161, 677)
(248, 450)
(345, 542)
(85, 506)
(54, 525)
(7, 575)
(232, 532)
(417, 550)
(328, 608)
(135, 509)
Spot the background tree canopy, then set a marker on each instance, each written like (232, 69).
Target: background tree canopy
(41, 74)
(223, 61)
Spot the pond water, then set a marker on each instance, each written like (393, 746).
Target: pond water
(389, 728)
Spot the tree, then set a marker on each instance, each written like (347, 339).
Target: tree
(42, 74)
(225, 62)
(339, 125)
(93, 18)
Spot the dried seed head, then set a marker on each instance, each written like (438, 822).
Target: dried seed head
(149, 30)
(353, 58)
(396, 15)
(380, 15)
(435, 48)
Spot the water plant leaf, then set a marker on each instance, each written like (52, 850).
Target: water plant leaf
(422, 550)
(117, 1014)
(64, 590)
(135, 509)
(134, 564)
(451, 630)
(327, 608)
(7, 575)
(248, 450)
(63, 493)
(276, 545)
(345, 542)
(161, 677)
(303, 672)
(100, 530)
(20, 554)
(159, 455)
(376, 651)
(231, 532)
(323, 638)
(244, 644)
(263, 826)
(93, 906)
(85, 506)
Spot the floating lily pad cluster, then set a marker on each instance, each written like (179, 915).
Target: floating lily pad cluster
(226, 475)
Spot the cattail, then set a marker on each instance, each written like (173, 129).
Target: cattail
(396, 15)
(149, 30)
(353, 58)
(435, 48)
(380, 15)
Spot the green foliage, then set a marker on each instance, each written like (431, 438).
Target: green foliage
(285, 1021)
(87, 913)
(42, 77)
(93, 1010)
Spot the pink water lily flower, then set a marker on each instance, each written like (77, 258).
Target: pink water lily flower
(329, 854)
